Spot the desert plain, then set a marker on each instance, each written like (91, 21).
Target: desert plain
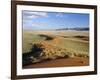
(55, 48)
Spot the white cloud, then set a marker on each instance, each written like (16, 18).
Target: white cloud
(30, 14)
(59, 15)
(39, 24)
(40, 13)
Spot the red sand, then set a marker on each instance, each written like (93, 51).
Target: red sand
(77, 61)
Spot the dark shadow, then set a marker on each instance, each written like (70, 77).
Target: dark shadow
(80, 36)
(27, 58)
(86, 38)
(46, 36)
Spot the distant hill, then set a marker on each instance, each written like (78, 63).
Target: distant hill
(77, 29)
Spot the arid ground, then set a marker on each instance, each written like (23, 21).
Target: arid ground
(54, 48)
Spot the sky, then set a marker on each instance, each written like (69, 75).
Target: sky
(35, 20)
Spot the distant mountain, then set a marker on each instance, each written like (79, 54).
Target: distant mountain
(77, 29)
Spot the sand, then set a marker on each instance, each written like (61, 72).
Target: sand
(64, 62)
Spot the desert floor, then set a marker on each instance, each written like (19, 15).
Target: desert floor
(57, 45)
(61, 63)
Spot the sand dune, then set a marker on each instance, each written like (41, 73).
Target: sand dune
(61, 63)
(50, 48)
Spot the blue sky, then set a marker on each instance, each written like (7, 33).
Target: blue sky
(53, 20)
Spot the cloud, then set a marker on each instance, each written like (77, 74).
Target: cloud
(59, 15)
(32, 14)
(39, 13)
(39, 24)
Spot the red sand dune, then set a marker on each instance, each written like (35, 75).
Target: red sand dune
(77, 61)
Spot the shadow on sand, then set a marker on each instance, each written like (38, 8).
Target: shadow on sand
(29, 57)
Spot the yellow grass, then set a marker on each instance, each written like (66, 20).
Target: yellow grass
(62, 43)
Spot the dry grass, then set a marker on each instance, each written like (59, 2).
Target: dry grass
(63, 44)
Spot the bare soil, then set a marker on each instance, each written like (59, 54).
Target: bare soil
(63, 62)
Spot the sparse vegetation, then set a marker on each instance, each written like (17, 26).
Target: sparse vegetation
(42, 46)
